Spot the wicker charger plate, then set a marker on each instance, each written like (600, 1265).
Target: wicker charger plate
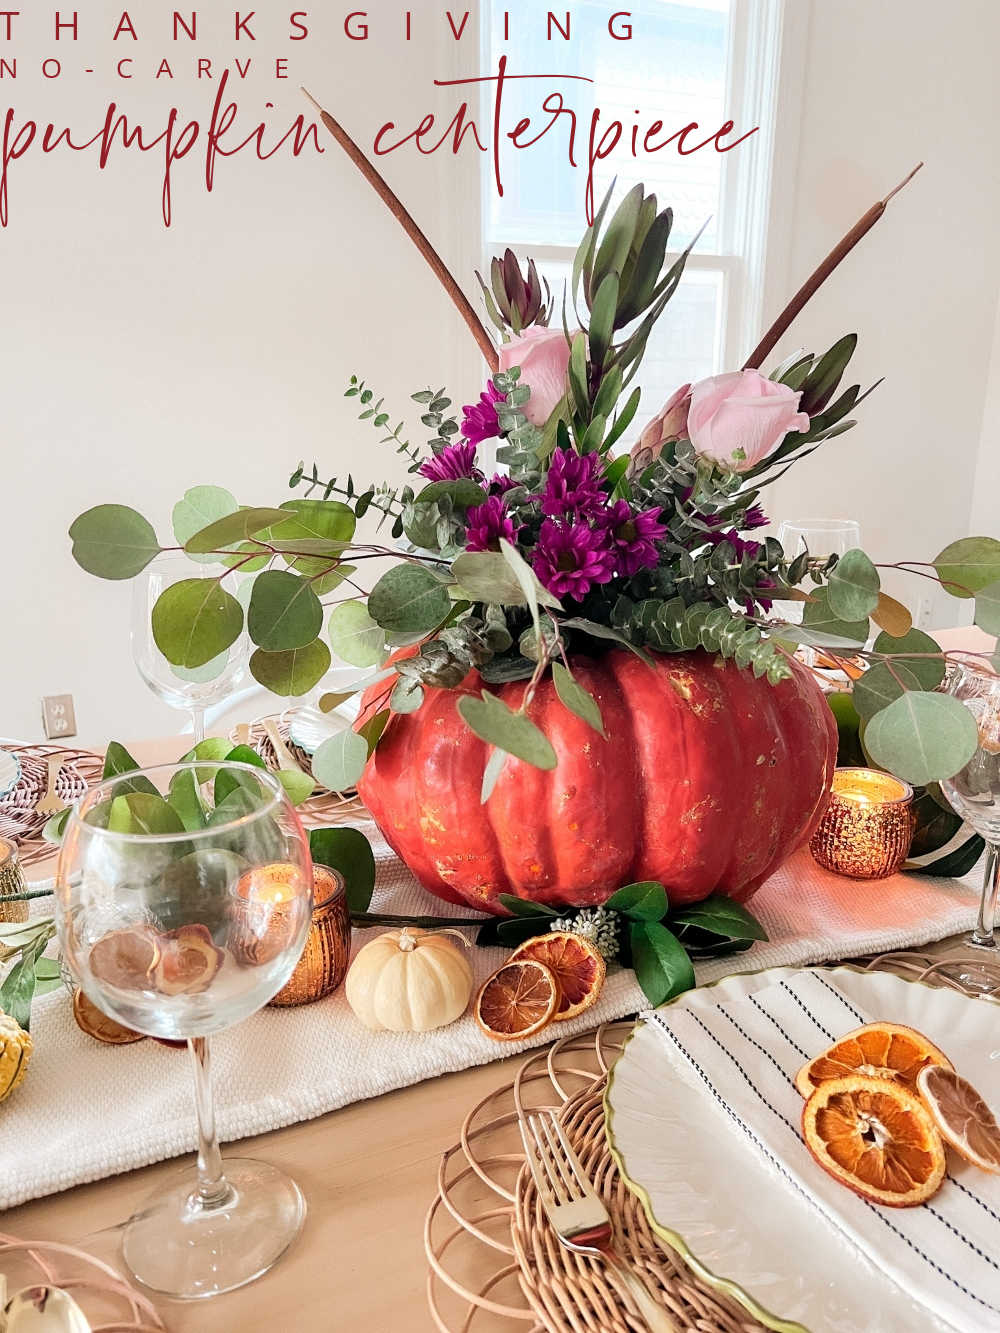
(495, 1263)
(330, 806)
(19, 819)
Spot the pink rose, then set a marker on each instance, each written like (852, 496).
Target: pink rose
(543, 355)
(739, 418)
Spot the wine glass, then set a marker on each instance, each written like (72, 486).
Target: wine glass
(183, 901)
(821, 537)
(193, 688)
(974, 793)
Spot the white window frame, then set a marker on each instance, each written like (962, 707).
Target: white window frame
(766, 39)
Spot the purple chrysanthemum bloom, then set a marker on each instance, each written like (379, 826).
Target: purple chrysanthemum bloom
(633, 536)
(453, 462)
(765, 603)
(485, 524)
(741, 545)
(500, 483)
(754, 518)
(479, 420)
(572, 485)
(571, 558)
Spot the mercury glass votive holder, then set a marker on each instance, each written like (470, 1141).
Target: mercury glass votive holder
(868, 826)
(11, 884)
(327, 951)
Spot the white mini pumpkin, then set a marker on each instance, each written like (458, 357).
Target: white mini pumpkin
(410, 980)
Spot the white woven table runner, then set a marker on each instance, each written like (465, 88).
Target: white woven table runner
(86, 1111)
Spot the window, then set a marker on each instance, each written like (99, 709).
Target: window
(689, 60)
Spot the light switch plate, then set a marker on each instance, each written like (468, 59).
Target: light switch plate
(58, 716)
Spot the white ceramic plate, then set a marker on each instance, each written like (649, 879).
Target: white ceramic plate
(10, 772)
(734, 1220)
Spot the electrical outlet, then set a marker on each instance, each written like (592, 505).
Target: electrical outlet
(925, 609)
(58, 716)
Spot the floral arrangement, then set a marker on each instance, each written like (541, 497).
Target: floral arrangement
(573, 542)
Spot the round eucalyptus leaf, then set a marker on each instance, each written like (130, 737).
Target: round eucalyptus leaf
(113, 542)
(409, 598)
(203, 674)
(853, 586)
(988, 608)
(340, 760)
(927, 665)
(284, 611)
(201, 506)
(232, 528)
(819, 616)
(315, 521)
(407, 696)
(878, 687)
(294, 671)
(355, 637)
(486, 576)
(463, 492)
(968, 565)
(194, 621)
(922, 737)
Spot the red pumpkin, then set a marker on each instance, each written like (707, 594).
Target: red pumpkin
(709, 779)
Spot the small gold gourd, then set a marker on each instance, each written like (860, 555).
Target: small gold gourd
(15, 1052)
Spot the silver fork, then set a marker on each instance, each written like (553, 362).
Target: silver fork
(576, 1212)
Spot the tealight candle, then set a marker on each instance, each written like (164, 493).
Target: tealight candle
(868, 826)
(327, 952)
(263, 902)
(11, 884)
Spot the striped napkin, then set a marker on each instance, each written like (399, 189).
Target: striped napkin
(946, 1252)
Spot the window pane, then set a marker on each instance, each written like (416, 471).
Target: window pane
(682, 347)
(673, 70)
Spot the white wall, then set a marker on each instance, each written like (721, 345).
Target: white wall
(137, 361)
(885, 85)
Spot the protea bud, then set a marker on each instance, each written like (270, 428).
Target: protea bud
(516, 302)
(668, 424)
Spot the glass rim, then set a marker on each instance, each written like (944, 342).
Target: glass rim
(820, 524)
(91, 798)
(905, 796)
(977, 666)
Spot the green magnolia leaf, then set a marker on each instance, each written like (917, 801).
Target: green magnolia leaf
(525, 907)
(407, 696)
(988, 608)
(113, 542)
(340, 761)
(819, 617)
(294, 671)
(18, 988)
(577, 699)
(195, 620)
(968, 565)
(355, 637)
(463, 492)
(144, 814)
(409, 598)
(298, 786)
(284, 611)
(662, 967)
(117, 760)
(646, 901)
(213, 749)
(720, 916)
(186, 800)
(48, 975)
(922, 737)
(349, 851)
(878, 687)
(233, 528)
(928, 666)
(200, 507)
(853, 586)
(493, 722)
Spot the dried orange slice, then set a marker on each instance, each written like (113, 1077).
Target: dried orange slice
(125, 958)
(879, 1050)
(876, 1137)
(517, 1000)
(577, 964)
(964, 1119)
(98, 1025)
(188, 961)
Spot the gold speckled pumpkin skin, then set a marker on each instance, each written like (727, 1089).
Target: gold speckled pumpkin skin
(708, 780)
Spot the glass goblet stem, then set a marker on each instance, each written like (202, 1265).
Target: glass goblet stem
(198, 723)
(213, 1189)
(983, 933)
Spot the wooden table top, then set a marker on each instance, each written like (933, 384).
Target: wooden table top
(369, 1174)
